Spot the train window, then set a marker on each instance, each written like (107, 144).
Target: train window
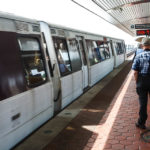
(11, 73)
(94, 55)
(61, 49)
(111, 47)
(82, 51)
(104, 50)
(74, 55)
(32, 61)
(107, 50)
(118, 48)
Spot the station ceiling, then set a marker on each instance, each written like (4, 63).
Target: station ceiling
(121, 13)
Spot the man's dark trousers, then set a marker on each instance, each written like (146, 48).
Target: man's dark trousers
(143, 88)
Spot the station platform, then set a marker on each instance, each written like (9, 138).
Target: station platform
(101, 119)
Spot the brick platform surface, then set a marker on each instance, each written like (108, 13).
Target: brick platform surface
(116, 130)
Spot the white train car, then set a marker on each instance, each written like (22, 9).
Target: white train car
(44, 68)
(81, 59)
(26, 90)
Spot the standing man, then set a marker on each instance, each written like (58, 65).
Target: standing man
(141, 68)
(138, 51)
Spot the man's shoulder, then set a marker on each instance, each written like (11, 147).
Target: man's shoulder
(143, 54)
(139, 50)
(139, 54)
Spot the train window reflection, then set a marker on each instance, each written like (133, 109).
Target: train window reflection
(111, 48)
(94, 55)
(74, 55)
(32, 61)
(104, 50)
(98, 51)
(101, 50)
(81, 46)
(107, 50)
(119, 48)
(62, 55)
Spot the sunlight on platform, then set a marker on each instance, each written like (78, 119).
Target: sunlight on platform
(105, 128)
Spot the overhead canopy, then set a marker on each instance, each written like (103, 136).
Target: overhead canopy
(121, 13)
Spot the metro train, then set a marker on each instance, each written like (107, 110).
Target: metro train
(45, 67)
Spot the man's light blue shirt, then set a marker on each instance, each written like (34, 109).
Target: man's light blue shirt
(141, 63)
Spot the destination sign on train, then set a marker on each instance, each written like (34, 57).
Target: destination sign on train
(142, 26)
(142, 32)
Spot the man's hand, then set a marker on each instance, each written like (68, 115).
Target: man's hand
(135, 75)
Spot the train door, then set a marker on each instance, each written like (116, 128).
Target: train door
(52, 65)
(84, 61)
(53, 69)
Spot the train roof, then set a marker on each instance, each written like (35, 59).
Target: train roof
(17, 18)
(76, 30)
(28, 20)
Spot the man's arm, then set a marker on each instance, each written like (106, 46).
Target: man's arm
(135, 75)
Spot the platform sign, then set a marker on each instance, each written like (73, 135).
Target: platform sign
(132, 26)
(142, 26)
(142, 32)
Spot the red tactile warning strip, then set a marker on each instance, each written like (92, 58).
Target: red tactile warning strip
(78, 135)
